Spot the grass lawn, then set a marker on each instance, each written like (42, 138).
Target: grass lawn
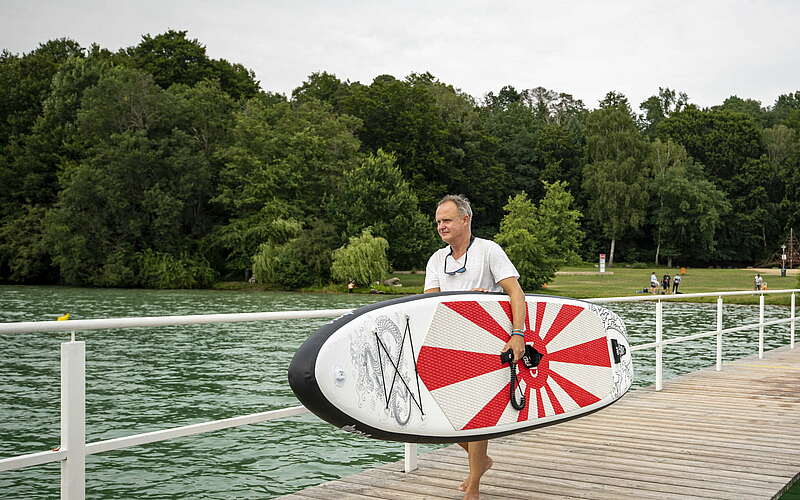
(626, 281)
(618, 282)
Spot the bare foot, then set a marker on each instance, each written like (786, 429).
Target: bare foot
(464, 483)
(472, 495)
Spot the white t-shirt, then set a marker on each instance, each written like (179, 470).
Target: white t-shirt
(486, 264)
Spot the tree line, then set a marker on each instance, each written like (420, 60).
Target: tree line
(158, 166)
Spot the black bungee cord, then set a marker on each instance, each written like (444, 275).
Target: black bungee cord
(530, 359)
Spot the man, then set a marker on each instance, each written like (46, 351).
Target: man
(470, 263)
(653, 283)
(676, 282)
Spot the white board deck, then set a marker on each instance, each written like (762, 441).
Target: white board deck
(427, 368)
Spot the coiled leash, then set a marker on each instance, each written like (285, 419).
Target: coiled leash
(530, 359)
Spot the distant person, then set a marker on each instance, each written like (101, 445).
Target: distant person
(758, 281)
(350, 285)
(665, 283)
(676, 282)
(653, 283)
(470, 263)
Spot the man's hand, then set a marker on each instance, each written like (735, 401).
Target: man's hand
(517, 344)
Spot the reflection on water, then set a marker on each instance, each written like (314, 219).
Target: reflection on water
(145, 379)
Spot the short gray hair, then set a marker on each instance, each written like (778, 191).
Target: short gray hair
(461, 201)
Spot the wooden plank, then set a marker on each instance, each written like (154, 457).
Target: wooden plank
(646, 481)
(612, 466)
(708, 434)
(537, 485)
(732, 469)
(688, 435)
(425, 485)
(691, 448)
(343, 489)
(400, 484)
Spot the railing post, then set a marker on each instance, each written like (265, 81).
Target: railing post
(659, 347)
(761, 326)
(410, 460)
(73, 418)
(791, 325)
(719, 332)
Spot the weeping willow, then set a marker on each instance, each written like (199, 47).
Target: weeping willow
(363, 259)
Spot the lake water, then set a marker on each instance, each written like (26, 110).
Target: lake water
(146, 379)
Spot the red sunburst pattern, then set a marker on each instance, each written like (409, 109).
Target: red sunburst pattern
(472, 387)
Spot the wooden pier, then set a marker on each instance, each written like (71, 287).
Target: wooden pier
(708, 434)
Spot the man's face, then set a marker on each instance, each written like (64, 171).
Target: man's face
(449, 223)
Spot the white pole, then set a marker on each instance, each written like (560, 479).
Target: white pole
(791, 328)
(719, 333)
(761, 326)
(410, 460)
(73, 420)
(659, 347)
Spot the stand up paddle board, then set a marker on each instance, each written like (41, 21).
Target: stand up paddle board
(428, 368)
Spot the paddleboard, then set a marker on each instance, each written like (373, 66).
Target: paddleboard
(427, 368)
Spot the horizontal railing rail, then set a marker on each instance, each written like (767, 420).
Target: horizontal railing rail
(74, 448)
(75, 325)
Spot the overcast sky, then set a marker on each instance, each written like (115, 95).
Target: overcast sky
(708, 49)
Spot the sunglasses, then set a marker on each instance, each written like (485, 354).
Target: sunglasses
(462, 268)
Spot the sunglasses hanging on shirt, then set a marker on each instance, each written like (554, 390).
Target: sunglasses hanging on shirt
(462, 268)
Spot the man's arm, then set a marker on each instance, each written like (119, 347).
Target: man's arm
(432, 290)
(518, 310)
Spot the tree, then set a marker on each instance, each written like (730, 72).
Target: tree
(532, 250)
(729, 146)
(786, 111)
(514, 123)
(560, 221)
(781, 145)
(363, 259)
(29, 169)
(30, 146)
(661, 106)
(321, 86)
(25, 81)
(24, 253)
(783, 154)
(374, 194)
(141, 185)
(614, 181)
(750, 107)
(721, 140)
(687, 208)
(402, 118)
(283, 161)
(163, 270)
(469, 151)
(171, 58)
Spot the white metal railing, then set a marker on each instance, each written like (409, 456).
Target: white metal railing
(73, 449)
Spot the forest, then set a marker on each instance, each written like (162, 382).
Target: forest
(157, 166)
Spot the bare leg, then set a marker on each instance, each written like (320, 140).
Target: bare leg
(479, 463)
(463, 484)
